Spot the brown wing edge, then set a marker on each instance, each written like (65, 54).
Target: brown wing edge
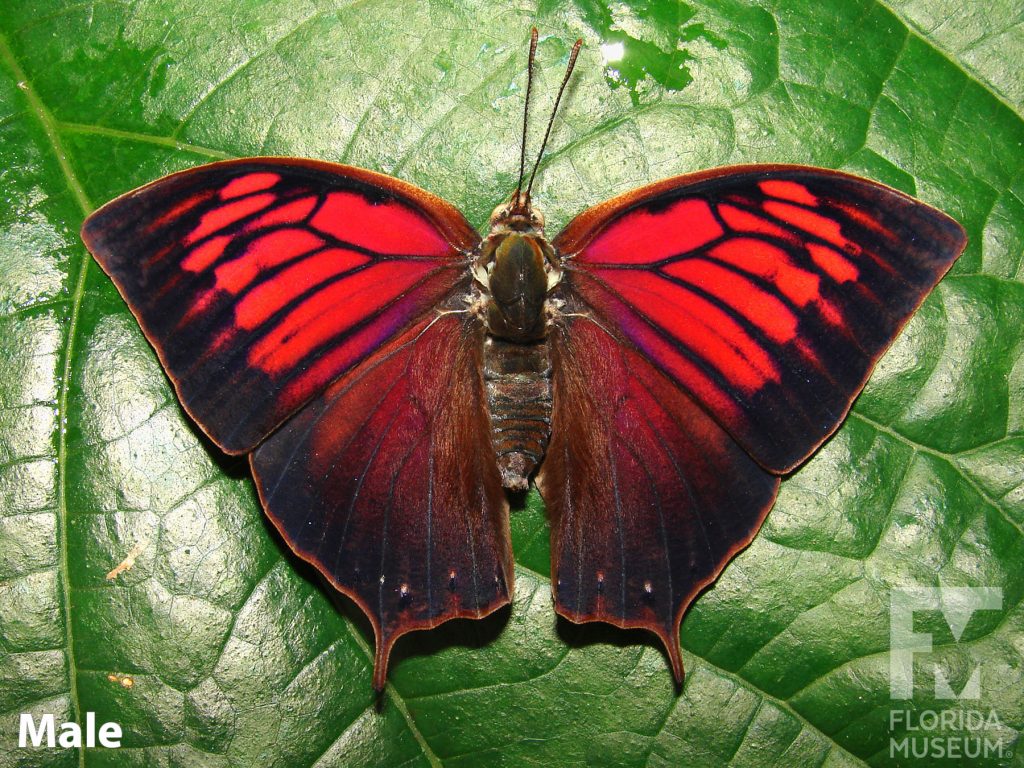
(669, 636)
(383, 642)
(448, 219)
(383, 645)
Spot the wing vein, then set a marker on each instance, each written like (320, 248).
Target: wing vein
(673, 341)
(618, 530)
(369, 463)
(387, 521)
(430, 525)
(680, 473)
(660, 507)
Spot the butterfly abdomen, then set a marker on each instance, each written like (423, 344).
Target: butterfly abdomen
(518, 380)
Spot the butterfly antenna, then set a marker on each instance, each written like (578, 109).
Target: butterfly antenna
(565, 81)
(526, 113)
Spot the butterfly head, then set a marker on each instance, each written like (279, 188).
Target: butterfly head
(517, 215)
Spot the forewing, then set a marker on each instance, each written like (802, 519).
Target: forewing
(767, 293)
(649, 496)
(388, 484)
(260, 281)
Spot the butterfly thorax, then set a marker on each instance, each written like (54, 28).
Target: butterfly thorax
(517, 284)
(517, 268)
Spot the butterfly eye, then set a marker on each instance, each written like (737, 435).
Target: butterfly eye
(501, 212)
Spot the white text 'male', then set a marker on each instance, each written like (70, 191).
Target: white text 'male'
(70, 735)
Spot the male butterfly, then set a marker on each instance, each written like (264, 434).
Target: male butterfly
(663, 361)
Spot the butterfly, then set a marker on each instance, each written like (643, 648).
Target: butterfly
(655, 368)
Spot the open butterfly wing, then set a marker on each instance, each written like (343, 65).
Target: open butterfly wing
(294, 305)
(388, 483)
(650, 497)
(715, 330)
(765, 292)
(260, 281)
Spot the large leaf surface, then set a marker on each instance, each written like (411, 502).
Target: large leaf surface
(217, 648)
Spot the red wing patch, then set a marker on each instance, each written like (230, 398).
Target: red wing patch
(261, 281)
(767, 293)
(388, 483)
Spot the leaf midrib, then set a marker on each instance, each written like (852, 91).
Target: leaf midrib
(47, 124)
(974, 77)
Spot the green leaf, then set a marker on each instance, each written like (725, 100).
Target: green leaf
(217, 647)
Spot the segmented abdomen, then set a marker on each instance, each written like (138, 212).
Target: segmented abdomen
(518, 379)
